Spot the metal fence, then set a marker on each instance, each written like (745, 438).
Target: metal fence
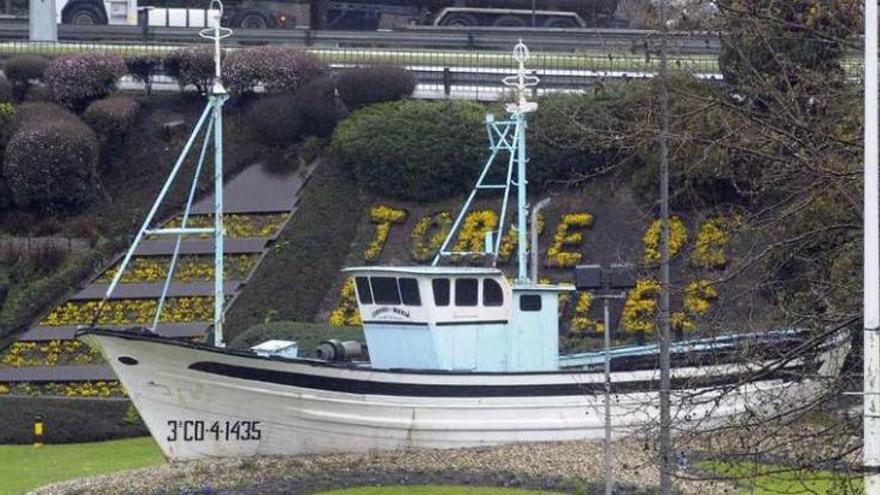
(445, 73)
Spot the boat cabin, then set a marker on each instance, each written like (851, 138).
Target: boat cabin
(457, 319)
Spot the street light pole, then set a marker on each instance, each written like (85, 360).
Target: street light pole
(871, 293)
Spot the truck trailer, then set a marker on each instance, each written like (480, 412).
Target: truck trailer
(351, 14)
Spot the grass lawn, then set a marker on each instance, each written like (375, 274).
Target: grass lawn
(434, 490)
(767, 479)
(22, 467)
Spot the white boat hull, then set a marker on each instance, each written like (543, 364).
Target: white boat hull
(201, 402)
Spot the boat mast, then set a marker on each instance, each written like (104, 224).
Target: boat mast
(211, 122)
(216, 100)
(508, 136)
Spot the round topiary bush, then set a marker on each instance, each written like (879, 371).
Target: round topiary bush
(574, 135)
(319, 107)
(75, 80)
(143, 67)
(279, 69)
(366, 86)
(191, 66)
(52, 164)
(22, 71)
(112, 117)
(274, 120)
(414, 150)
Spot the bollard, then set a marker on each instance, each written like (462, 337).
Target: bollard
(38, 431)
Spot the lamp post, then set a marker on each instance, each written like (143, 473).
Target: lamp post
(871, 293)
(606, 284)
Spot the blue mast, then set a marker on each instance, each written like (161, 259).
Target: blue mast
(211, 121)
(508, 136)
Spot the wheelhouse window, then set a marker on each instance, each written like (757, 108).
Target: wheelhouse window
(409, 291)
(440, 287)
(492, 293)
(385, 290)
(363, 289)
(466, 291)
(530, 302)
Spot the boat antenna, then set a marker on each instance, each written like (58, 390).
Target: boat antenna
(508, 136)
(211, 122)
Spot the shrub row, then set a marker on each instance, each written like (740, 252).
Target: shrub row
(414, 150)
(67, 420)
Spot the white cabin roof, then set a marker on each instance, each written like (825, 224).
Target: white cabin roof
(427, 270)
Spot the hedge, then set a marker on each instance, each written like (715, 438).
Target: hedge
(52, 164)
(320, 108)
(275, 120)
(191, 66)
(22, 71)
(309, 252)
(369, 85)
(143, 67)
(111, 119)
(413, 150)
(66, 420)
(77, 79)
(279, 69)
(573, 135)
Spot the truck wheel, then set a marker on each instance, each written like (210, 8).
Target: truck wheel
(459, 19)
(85, 15)
(510, 21)
(253, 20)
(561, 22)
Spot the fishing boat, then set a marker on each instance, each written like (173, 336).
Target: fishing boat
(459, 356)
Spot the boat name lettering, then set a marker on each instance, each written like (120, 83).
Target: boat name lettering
(186, 430)
(394, 311)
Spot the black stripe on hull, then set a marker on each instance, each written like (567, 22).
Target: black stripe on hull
(367, 387)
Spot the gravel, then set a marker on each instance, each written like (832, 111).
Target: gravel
(568, 467)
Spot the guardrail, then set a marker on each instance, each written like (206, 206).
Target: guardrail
(551, 40)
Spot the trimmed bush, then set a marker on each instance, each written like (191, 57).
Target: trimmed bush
(275, 120)
(279, 69)
(41, 111)
(78, 79)
(22, 70)
(414, 150)
(143, 68)
(319, 107)
(51, 163)
(7, 93)
(191, 66)
(68, 420)
(573, 135)
(112, 117)
(366, 86)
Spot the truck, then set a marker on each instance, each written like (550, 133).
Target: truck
(350, 15)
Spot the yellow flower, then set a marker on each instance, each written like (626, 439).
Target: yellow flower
(346, 312)
(640, 308)
(651, 239)
(421, 249)
(565, 238)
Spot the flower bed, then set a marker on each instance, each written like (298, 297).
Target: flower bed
(581, 321)
(677, 239)
(132, 311)
(346, 312)
(564, 238)
(237, 226)
(640, 308)
(472, 236)
(383, 216)
(713, 237)
(428, 235)
(189, 269)
(511, 238)
(51, 353)
(110, 388)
